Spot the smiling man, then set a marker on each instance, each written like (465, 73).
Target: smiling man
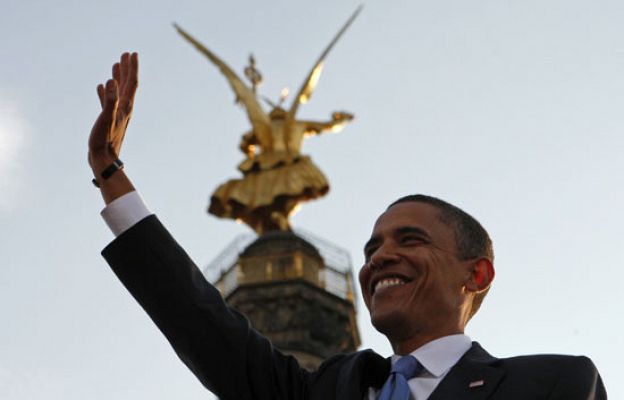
(417, 282)
(428, 266)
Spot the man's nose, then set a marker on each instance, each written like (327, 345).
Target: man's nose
(383, 256)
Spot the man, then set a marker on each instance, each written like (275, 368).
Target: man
(428, 266)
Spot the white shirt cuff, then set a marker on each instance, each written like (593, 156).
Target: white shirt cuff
(122, 213)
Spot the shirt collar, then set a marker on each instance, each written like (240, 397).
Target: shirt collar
(438, 356)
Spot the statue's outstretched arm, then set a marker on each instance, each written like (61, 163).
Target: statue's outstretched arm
(338, 121)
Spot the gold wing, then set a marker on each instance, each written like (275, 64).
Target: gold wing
(259, 119)
(305, 92)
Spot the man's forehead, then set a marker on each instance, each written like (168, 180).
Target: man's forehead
(410, 212)
(413, 217)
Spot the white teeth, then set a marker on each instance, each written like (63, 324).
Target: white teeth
(384, 283)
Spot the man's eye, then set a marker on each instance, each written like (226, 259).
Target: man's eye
(412, 240)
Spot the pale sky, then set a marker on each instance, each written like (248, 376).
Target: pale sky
(510, 110)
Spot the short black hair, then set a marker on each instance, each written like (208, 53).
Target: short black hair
(471, 238)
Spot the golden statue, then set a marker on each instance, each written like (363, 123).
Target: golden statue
(276, 176)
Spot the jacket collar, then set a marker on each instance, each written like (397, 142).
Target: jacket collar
(368, 369)
(473, 377)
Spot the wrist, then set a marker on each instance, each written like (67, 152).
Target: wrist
(107, 172)
(115, 186)
(109, 176)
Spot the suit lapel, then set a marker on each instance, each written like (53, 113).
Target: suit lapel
(364, 370)
(473, 377)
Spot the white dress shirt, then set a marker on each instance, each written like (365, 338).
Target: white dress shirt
(437, 356)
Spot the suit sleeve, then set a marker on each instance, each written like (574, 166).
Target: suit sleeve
(579, 381)
(214, 341)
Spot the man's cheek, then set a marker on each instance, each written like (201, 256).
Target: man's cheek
(363, 279)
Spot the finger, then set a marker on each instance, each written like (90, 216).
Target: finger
(133, 79)
(101, 94)
(101, 131)
(112, 95)
(115, 134)
(134, 62)
(130, 79)
(117, 72)
(124, 62)
(109, 113)
(133, 71)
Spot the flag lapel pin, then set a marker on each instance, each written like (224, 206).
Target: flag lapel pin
(476, 384)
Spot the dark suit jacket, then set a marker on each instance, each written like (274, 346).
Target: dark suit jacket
(236, 362)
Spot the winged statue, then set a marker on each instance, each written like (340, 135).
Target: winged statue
(276, 176)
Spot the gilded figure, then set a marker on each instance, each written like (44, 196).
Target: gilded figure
(276, 176)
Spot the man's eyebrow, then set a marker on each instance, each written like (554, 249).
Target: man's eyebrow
(402, 230)
(413, 229)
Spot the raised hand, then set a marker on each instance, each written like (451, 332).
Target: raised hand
(107, 134)
(117, 100)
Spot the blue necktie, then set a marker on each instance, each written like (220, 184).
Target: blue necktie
(396, 387)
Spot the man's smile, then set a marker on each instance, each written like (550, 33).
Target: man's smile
(383, 282)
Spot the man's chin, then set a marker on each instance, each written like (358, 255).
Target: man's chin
(391, 324)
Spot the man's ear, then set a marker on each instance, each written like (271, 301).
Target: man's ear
(481, 276)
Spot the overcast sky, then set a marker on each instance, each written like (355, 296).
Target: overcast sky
(510, 110)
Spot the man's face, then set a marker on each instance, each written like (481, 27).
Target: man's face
(412, 280)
